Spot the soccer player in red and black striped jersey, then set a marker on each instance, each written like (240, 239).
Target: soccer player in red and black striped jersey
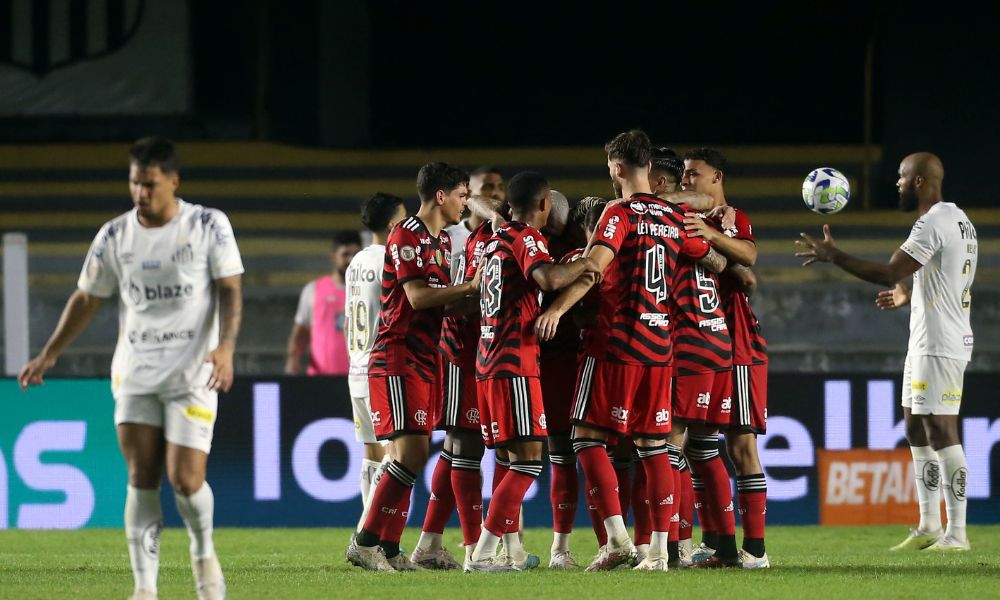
(516, 268)
(623, 387)
(403, 371)
(705, 171)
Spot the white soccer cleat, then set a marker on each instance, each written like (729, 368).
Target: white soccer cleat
(401, 562)
(438, 560)
(684, 553)
(948, 543)
(701, 553)
(749, 561)
(917, 540)
(609, 557)
(493, 564)
(641, 552)
(522, 562)
(208, 580)
(563, 559)
(368, 558)
(652, 564)
(142, 595)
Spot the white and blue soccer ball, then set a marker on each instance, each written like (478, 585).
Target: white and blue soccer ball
(826, 191)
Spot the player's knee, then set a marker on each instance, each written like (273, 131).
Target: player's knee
(185, 481)
(143, 478)
(916, 434)
(941, 431)
(468, 444)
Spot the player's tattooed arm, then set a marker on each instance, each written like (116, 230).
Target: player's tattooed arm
(713, 261)
(745, 278)
(743, 252)
(487, 209)
(230, 319)
(896, 297)
(901, 265)
(552, 277)
(76, 316)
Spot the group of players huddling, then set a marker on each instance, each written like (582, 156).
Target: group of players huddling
(643, 301)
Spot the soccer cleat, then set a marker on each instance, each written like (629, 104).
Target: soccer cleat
(493, 564)
(652, 564)
(438, 560)
(750, 561)
(641, 551)
(948, 543)
(714, 562)
(917, 540)
(563, 559)
(701, 553)
(609, 557)
(684, 554)
(142, 595)
(208, 580)
(368, 558)
(401, 562)
(523, 562)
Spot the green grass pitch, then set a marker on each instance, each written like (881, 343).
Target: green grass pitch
(808, 562)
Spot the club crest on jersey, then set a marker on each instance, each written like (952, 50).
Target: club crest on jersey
(472, 415)
(420, 417)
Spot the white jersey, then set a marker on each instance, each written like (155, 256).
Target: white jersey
(364, 302)
(458, 234)
(944, 242)
(168, 317)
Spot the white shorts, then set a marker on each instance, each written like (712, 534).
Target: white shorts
(364, 430)
(932, 385)
(187, 418)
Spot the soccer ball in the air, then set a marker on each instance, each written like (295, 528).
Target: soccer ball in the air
(826, 191)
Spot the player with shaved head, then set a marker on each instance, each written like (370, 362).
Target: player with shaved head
(933, 271)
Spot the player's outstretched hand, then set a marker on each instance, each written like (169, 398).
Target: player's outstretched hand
(816, 250)
(31, 373)
(546, 325)
(695, 226)
(893, 299)
(222, 369)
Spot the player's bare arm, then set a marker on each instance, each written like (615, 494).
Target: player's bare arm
(76, 316)
(699, 201)
(897, 297)
(230, 318)
(725, 215)
(552, 277)
(745, 278)
(714, 261)
(486, 208)
(901, 265)
(548, 321)
(422, 296)
(298, 340)
(742, 252)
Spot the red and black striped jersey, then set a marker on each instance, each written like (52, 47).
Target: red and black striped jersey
(509, 302)
(567, 339)
(749, 347)
(701, 336)
(407, 339)
(460, 334)
(647, 236)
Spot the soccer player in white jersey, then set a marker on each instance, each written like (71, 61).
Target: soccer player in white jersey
(940, 255)
(364, 287)
(176, 270)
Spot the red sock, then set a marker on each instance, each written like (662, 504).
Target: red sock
(564, 492)
(390, 503)
(660, 483)
(675, 518)
(442, 502)
(596, 522)
(686, 508)
(752, 492)
(623, 468)
(702, 504)
(467, 485)
(499, 472)
(506, 502)
(601, 480)
(640, 507)
(717, 488)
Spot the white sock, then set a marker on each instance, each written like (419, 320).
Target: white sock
(617, 534)
(368, 470)
(560, 542)
(512, 542)
(429, 541)
(657, 544)
(197, 510)
(486, 547)
(143, 524)
(375, 479)
(927, 472)
(955, 475)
